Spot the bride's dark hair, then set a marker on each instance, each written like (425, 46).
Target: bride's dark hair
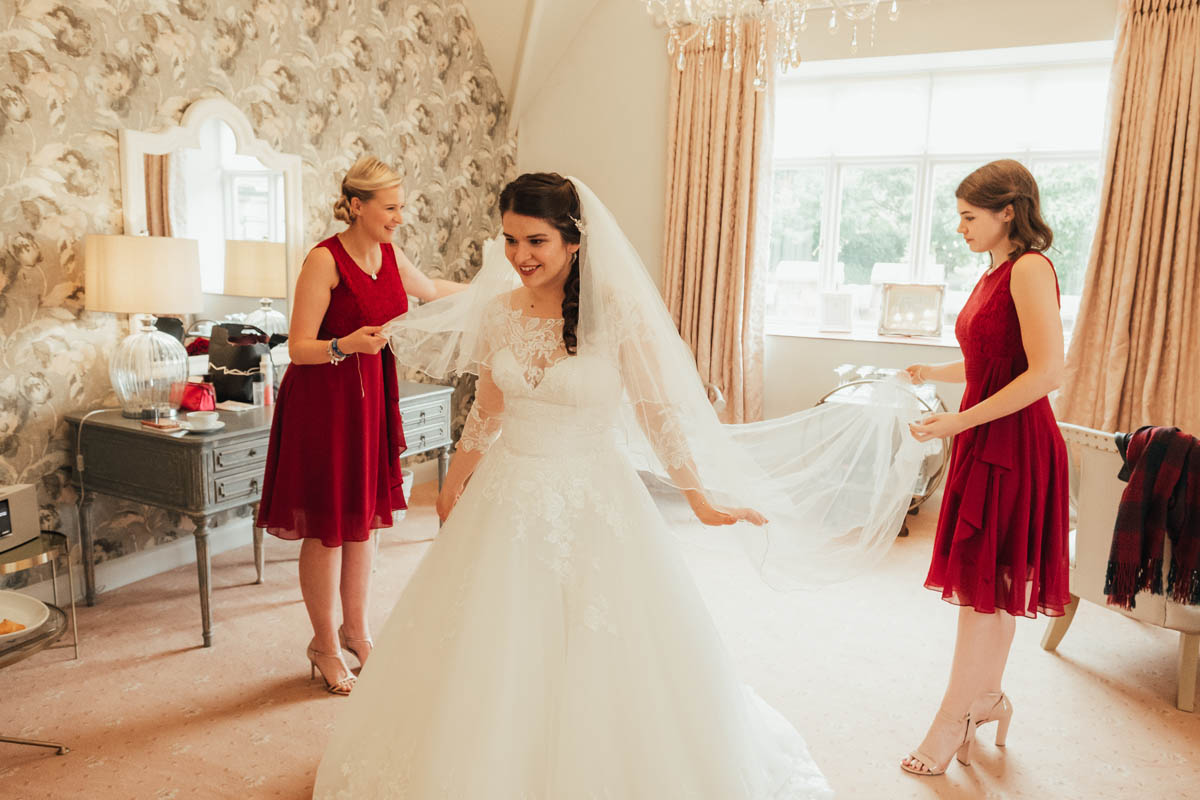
(551, 197)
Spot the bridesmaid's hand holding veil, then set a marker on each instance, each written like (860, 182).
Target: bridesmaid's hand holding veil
(366, 339)
(938, 426)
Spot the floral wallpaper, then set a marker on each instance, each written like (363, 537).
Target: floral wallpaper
(327, 79)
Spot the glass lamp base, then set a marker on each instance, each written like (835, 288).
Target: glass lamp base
(267, 319)
(145, 368)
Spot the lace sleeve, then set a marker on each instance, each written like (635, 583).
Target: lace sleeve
(482, 427)
(664, 433)
(659, 419)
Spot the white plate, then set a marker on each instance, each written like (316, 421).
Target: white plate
(29, 611)
(189, 426)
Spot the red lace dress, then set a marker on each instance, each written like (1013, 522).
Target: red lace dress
(1002, 534)
(333, 464)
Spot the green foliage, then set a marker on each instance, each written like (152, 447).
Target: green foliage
(796, 214)
(946, 245)
(876, 211)
(876, 218)
(1070, 195)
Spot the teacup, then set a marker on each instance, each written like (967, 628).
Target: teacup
(203, 419)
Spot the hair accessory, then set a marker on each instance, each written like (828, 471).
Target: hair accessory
(578, 225)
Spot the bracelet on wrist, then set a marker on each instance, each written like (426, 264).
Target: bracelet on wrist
(336, 356)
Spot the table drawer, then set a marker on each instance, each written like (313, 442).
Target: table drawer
(237, 455)
(425, 413)
(244, 487)
(426, 437)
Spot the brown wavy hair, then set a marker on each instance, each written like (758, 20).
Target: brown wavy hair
(551, 197)
(1003, 183)
(365, 177)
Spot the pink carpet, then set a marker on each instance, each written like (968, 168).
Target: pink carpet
(859, 668)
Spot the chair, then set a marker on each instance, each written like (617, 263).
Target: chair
(1095, 495)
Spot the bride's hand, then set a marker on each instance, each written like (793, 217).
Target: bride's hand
(711, 514)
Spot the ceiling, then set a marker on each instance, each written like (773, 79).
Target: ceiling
(525, 39)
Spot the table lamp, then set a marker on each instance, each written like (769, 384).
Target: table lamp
(258, 269)
(137, 275)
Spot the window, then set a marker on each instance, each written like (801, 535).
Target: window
(868, 153)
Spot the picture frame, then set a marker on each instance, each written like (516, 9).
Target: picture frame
(837, 312)
(911, 309)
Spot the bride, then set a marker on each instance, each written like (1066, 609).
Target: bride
(551, 645)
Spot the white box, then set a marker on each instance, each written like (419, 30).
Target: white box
(18, 515)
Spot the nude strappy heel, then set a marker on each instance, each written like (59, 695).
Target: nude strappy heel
(931, 766)
(341, 686)
(1000, 711)
(361, 648)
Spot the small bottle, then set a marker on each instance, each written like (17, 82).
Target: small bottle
(266, 368)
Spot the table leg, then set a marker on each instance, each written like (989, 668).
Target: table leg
(61, 748)
(443, 464)
(74, 618)
(259, 557)
(88, 545)
(203, 568)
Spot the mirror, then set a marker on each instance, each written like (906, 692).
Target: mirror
(211, 179)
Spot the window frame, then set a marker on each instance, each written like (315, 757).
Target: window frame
(926, 163)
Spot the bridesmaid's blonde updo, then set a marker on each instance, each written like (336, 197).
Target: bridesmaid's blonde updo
(365, 177)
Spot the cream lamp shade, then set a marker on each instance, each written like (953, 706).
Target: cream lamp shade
(142, 274)
(255, 269)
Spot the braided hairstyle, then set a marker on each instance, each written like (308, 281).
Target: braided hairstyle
(1006, 182)
(551, 197)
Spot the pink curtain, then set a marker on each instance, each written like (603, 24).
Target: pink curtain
(158, 217)
(1135, 354)
(717, 165)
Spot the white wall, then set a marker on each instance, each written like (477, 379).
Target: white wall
(601, 116)
(935, 26)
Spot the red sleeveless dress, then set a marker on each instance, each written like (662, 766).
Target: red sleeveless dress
(1002, 535)
(333, 463)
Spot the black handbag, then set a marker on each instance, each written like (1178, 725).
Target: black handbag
(235, 354)
(170, 325)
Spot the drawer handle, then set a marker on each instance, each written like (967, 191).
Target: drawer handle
(253, 488)
(422, 444)
(228, 458)
(421, 419)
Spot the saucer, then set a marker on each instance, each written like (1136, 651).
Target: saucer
(193, 428)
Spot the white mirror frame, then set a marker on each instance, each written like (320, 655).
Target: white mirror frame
(134, 145)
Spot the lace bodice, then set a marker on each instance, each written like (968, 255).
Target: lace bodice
(533, 387)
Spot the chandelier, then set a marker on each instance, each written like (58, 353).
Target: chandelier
(728, 20)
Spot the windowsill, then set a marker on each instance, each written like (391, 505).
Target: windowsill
(862, 335)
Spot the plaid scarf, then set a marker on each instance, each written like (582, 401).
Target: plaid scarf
(1162, 500)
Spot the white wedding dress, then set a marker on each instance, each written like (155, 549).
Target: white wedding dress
(551, 645)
